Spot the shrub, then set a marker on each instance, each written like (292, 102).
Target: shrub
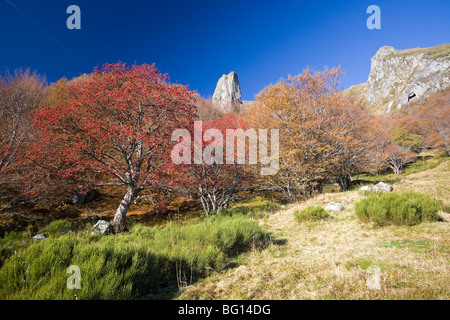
(128, 265)
(311, 213)
(397, 209)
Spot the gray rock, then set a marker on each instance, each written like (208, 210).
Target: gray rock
(101, 227)
(228, 91)
(82, 197)
(40, 236)
(379, 187)
(382, 187)
(79, 197)
(334, 206)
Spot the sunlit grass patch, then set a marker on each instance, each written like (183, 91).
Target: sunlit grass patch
(127, 265)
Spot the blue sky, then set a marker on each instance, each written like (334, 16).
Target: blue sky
(195, 42)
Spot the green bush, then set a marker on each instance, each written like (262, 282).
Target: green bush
(397, 209)
(311, 214)
(128, 265)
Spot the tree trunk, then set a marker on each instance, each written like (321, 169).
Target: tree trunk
(118, 223)
(344, 182)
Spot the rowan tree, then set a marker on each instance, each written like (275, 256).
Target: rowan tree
(115, 130)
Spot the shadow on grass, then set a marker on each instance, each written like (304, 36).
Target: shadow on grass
(172, 289)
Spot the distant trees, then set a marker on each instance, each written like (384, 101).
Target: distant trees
(115, 129)
(323, 135)
(428, 122)
(422, 126)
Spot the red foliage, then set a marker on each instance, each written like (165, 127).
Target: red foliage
(215, 184)
(114, 130)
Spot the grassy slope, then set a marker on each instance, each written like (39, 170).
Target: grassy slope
(438, 52)
(329, 259)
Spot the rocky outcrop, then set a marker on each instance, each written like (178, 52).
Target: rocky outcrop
(228, 92)
(398, 77)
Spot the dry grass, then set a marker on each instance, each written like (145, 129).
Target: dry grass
(438, 52)
(329, 259)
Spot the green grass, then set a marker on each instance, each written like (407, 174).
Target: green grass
(397, 209)
(406, 243)
(364, 264)
(311, 213)
(13, 241)
(56, 228)
(128, 265)
(255, 208)
(415, 167)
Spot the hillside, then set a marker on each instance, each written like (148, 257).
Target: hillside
(400, 76)
(331, 259)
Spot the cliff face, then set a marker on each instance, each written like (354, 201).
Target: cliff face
(228, 91)
(400, 76)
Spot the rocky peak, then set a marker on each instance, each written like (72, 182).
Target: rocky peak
(398, 76)
(228, 91)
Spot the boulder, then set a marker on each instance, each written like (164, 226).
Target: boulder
(101, 227)
(382, 187)
(379, 187)
(334, 206)
(79, 197)
(82, 197)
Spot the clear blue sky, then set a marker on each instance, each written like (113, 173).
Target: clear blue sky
(195, 42)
